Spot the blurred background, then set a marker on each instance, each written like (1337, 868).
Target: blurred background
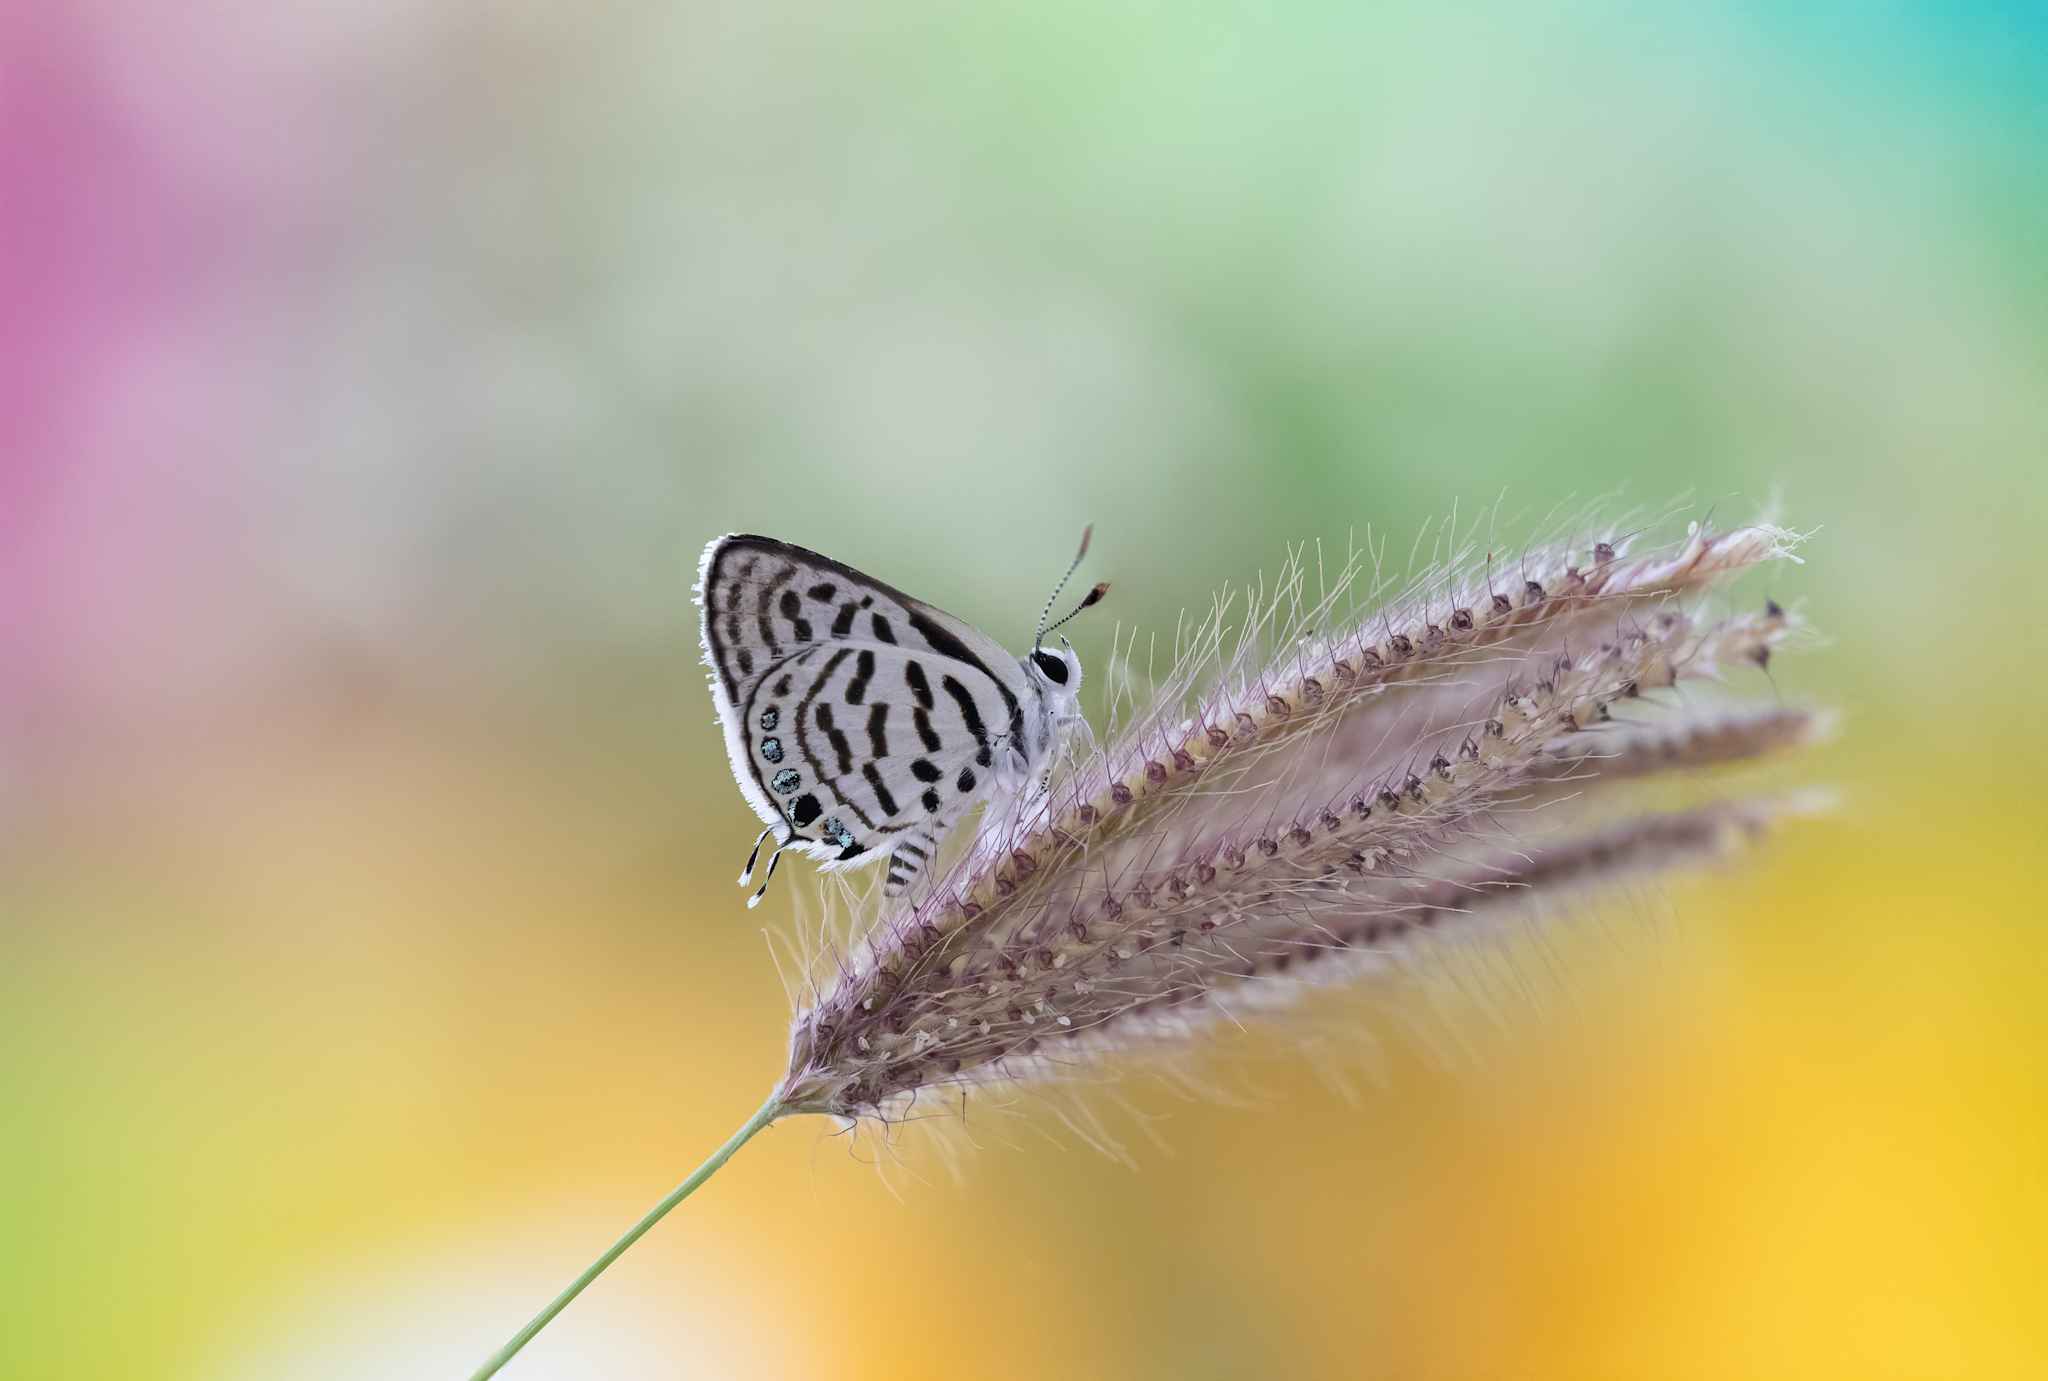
(369, 954)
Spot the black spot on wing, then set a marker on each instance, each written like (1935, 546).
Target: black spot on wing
(840, 747)
(882, 797)
(969, 711)
(803, 719)
(923, 723)
(822, 593)
(913, 675)
(793, 610)
(878, 730)
(923, 770)
(930, 802)
(965, 781)
(843, 625)
(805, 809)
(883, 633)
(946, 645)
(863, 669)
(943, 642)
(712, 588)
(768, 594)
(723, 628)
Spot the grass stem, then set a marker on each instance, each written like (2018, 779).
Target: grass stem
(765, 1115)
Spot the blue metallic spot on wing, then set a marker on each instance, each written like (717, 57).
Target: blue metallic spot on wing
(787, 780)
(771, 749)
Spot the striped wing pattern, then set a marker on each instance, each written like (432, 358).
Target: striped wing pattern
(856, 718)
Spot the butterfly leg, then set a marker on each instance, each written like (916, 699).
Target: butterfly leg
(911, 856)
(1076, 726)
(1075, 740)
(1013, 769)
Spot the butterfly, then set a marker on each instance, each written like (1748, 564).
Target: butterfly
(860, 721)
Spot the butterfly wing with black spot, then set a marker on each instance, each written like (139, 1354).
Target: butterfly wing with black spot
(856, 718)
(864, 748)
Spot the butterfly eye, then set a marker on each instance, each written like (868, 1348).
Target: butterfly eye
(1053, 668)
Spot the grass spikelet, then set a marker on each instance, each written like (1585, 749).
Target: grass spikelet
(1328, 788)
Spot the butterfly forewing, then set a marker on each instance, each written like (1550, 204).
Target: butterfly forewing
(856, 718)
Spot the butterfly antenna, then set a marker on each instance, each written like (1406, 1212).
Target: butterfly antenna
(1053, 598)
(747, 873)
(1093, 597)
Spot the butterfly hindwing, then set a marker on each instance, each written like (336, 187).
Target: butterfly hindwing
(855, 744)
(856, 718)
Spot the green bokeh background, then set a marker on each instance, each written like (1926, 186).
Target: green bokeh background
(371, 955)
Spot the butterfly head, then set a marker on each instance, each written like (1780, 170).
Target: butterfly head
(1056, 675)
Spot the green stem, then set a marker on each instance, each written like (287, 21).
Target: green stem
(767, 1113)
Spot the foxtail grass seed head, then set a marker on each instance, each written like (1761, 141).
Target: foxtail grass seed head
(1311, 790)
(1306, 792)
